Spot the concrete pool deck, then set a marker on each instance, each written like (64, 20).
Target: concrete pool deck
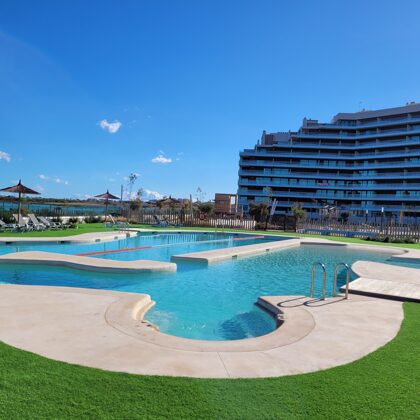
(104, 329)
(73, 239)
(85, 263)
(385, 280)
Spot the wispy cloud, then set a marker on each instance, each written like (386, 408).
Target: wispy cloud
(5, 156)
(58, 180)
(110, 127)
(179, 154)
(55, 179)
(151, 195)
(162, 159)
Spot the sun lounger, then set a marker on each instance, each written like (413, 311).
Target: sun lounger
(49, 223)
(36, 224)
(22, 226)
(159, 222)
(7, 226)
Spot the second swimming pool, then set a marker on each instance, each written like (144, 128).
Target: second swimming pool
(215, 302)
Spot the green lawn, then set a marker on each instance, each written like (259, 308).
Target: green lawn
(81, 228)
(99, 227)
(384, 384)
(301, 235)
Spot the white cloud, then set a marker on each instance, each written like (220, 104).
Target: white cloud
(112, 128)
(151, 195)
(161, 159)
(5, 156)
(40, 188)
(60, 181)
(55, 179)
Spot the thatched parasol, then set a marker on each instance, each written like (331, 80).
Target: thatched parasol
(19, 189)
(107, 196)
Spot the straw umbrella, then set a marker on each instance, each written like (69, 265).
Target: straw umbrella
(107, 196)
(19, 189)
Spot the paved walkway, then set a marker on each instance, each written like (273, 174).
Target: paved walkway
(385, 280)
(81, 238)
(104, 329)
(85, 263)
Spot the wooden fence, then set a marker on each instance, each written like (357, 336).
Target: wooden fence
(380, 231)
(185, 218)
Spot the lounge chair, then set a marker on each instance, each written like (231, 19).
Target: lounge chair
(49, 223)
(36, 224)
(7, 226)
(159, 222)
(22, 226)
(116, 224)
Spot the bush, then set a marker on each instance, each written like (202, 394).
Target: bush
(8, 218)
(92, 219)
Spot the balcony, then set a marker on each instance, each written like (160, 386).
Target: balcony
(363, 145)
(342, 156)
(284, 183)
(352, 207)
(331, 195)
(342, 165)
(345, 136)
(381, 123)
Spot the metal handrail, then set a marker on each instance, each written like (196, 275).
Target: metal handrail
(346, 296)
(324, 279)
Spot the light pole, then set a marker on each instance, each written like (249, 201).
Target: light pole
(382, 219)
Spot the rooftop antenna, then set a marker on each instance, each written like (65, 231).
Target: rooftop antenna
(360, 106)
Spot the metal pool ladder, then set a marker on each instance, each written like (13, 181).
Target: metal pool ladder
(324, 279)
(337, 267)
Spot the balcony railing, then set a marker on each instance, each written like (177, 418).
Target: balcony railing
(326, 195)
(361, 145)
(331, 186)
(342, 165)
(341, 156)
(329, 175)
(345, 135)
(381, 123)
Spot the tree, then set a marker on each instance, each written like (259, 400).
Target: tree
(206, 207)
(132, 178)
(298, 211)
(259, 211)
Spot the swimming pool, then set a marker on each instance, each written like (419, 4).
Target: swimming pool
(215, 302)
(147, 245)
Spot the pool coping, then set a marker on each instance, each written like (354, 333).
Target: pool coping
(385, 281)
(86, 263)
(73, 239)
(89, 327)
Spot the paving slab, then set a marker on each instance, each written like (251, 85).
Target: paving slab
(82, 238)
(385, 280)
(85, 263)
(94, 328)
(223, 254)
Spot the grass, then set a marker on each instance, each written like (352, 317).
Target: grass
(301, 235)
(81, 228)
(99, 227)
(384, 384)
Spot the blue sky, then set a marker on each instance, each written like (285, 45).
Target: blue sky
(91, 91)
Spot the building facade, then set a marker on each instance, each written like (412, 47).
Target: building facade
(364, 163)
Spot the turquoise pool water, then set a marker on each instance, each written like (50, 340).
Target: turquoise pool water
(154, 246)
(215, 302)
